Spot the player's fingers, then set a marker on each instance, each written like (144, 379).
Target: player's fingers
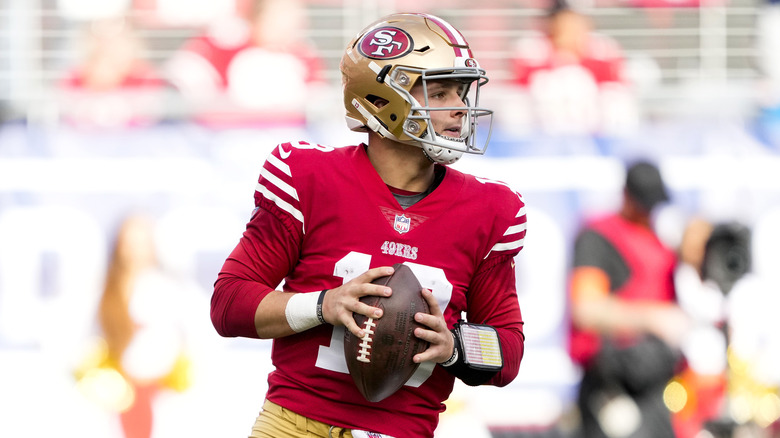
(436, 324)
(374, 289)
(437, 335)
(350, 306)
(368, 311)
(433, 304)
(374, 273)
(361, 286)
(346, 299)
(439, 350)
(347, 319)
(427, 335)
(433, 320)
(355, 305)
(352, 326)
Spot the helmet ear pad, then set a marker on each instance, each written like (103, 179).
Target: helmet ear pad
(389, 102)
(392, 114)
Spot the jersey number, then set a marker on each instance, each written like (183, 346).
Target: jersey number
(331, 357)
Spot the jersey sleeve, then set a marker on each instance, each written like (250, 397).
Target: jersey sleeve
(492, 295)
(492, 300)
(267, 251)
(510, 223)
(276, 190)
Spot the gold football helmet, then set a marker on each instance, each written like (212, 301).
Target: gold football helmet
(387, 58)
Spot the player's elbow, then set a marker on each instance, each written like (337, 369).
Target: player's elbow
(513, 349)
(233, 308)
(219, 316)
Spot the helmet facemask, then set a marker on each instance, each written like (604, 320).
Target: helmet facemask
(419, 127)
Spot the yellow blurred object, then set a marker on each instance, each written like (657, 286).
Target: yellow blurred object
(99, 380)
(106, 387)
(675, 396)
(95, 356)
(750, 399)
(768, 410)
(180, 377)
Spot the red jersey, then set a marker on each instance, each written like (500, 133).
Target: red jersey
(323, 217)
(140, 76)
(221, 56)
(650, 265)
(602, 61)
(235, 74)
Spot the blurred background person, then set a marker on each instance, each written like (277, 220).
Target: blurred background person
(573, 78)
(251, 69)
(731, 378)
(112, 84)
(747, 259)
(145, 317)
(698, 390)
(626, 326)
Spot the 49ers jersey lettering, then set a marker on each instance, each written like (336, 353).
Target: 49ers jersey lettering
(400, 250)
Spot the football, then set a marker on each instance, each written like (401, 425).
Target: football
(381, 362)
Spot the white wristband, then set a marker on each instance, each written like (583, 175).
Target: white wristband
(301, 311)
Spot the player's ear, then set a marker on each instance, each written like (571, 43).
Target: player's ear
(377, 101)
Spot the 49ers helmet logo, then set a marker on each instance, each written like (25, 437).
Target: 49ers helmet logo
(386, 43)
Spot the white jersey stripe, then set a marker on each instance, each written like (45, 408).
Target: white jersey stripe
(507, 246)
(281, 185)
(515, 229)
(284, 205)
(279, 164)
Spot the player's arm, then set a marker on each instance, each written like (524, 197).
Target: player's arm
(494, 310)
(494, 325)
(263, 256)
(595, 308)
(245, 302)
(285, 313)
(597, 272)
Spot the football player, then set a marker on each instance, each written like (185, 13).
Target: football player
(327, 221)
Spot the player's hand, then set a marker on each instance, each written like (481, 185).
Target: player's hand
(438, 336)
(339, 303)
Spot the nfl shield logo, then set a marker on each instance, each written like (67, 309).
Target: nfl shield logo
(402, 223)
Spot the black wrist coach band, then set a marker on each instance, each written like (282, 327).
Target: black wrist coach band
(319, 306)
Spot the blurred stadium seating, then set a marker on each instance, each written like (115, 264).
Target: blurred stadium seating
(677, 51)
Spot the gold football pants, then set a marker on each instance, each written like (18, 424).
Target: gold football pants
(277, 422)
